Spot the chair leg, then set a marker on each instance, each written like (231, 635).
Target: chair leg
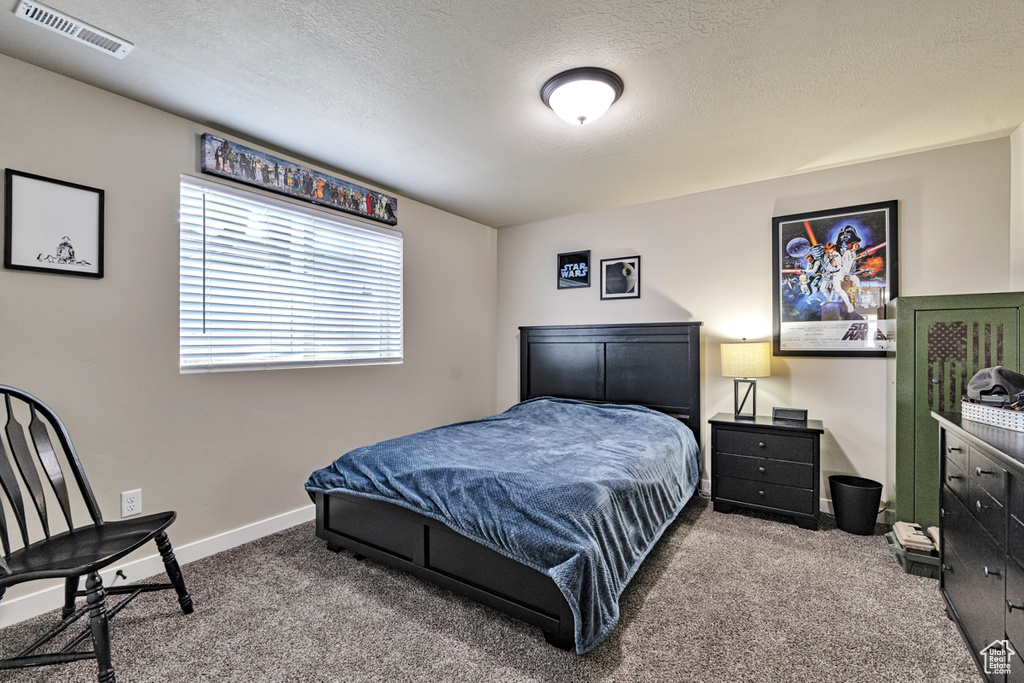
(163, 544)
(96, 597)
(70, 593)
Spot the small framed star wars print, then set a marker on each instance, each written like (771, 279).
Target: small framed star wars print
(574, 270)
(834, 273)
(620, 278)
(52, 226)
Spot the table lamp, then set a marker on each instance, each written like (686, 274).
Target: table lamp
(745, 362)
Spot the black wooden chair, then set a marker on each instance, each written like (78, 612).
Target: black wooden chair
(75, 552)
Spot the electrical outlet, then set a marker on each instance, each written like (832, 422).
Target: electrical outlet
(131, 503)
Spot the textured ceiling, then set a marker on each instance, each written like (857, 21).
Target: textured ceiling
(439, 100)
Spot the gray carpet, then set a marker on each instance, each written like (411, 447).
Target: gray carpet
(722, 598)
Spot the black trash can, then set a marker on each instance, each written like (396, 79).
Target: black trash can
(855, 501)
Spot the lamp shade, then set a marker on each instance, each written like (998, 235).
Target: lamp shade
(746, 359)
(581, 95)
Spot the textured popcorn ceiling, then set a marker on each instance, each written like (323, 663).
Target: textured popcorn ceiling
(439, 100)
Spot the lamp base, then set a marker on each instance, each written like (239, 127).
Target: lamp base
(750, 393)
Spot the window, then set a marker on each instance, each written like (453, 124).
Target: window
(268, 284)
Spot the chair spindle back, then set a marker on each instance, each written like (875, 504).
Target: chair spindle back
(42, 421)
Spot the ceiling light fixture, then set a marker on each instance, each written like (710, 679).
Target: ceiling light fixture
(581, 95)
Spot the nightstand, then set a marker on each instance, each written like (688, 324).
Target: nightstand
(766, 464)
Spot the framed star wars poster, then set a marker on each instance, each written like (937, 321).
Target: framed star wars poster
(52, 226)
(834, 272)
(574, 269)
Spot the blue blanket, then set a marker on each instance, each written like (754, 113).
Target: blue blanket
(578, 491)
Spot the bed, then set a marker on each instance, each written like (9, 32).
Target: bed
(401, 503)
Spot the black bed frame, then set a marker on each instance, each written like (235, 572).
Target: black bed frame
(655, 365)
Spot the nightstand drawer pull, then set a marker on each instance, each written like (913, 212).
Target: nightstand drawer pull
(980, 506)
(980, 471)
(761, 470)
(951, 477)
(760, 493)
(947, 567)
(991, 572)
(1010, 607)
(954, 449)
(760, 444)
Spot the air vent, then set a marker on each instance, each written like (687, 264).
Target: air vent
(47, 17)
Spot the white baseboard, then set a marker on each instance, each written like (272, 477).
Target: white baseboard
(27, 606)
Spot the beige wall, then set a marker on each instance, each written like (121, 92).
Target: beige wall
(1017, 209)
(224, 449)
(707, 257)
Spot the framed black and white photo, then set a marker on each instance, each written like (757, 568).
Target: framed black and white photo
(834, 271)
(52, 226)
(620, 278)
(574, 269)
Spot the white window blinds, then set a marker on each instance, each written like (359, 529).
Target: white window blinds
(267, 284)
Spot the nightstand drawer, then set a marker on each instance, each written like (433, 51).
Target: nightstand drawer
(785, 498)
(779, 446)
(765, 469)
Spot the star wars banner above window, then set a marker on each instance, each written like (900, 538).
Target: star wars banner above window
(834, 272)
(227, 159)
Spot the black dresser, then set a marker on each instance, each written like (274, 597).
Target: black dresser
(766, 464)
(982, 530)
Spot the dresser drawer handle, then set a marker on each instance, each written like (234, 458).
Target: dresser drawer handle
(980, 506)
(760, 444)
(947, 567)
(991, 572)
(760, 493)
(1010, 607)
(951, 477)
(954, 449)
(761, 470)
(980, 471)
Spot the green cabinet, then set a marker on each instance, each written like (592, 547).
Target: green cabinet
(941, 341)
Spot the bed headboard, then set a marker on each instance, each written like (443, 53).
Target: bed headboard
(656, 365)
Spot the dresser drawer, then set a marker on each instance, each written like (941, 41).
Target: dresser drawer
(1015, 595)
(956, 450)
(957, 523)
(957, 481)
(779, 446)
(1015, 540)
(1017, 495)
(1015, 523)
(989, 513)
(784, 498)
(766, 469)
(1016, 674)
(976, 597)
(989, 475)
(973, 575)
